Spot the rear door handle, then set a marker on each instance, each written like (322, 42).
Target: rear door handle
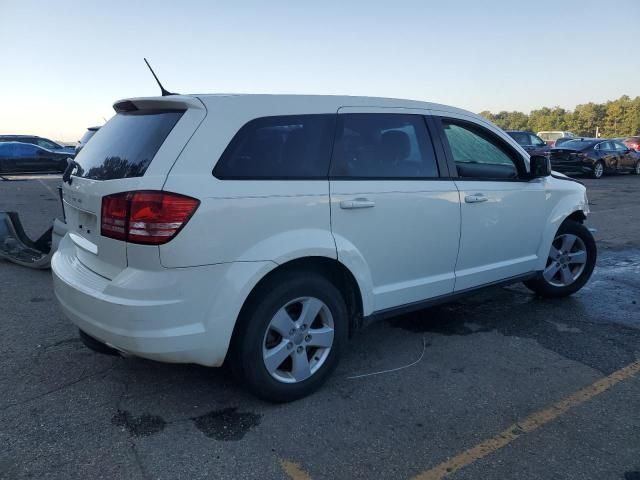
(357, 203)
(476, 198)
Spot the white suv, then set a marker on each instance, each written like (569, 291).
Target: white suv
(263, 230)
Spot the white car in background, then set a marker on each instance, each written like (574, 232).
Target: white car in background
(552, 137)
(262, 230)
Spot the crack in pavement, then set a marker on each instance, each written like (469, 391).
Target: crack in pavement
(57, 389)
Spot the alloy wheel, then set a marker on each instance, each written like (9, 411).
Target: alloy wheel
(298, 340)
(567, 260)
(598, 170)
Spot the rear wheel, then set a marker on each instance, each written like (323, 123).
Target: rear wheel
(570, 263)
(290, 336)
(598, 170)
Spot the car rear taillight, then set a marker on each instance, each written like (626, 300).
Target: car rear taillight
(146, 217)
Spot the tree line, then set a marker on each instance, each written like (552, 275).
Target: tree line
(615, 118)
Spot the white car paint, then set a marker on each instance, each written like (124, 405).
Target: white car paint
(179, 302)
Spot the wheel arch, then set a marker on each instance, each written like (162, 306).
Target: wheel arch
(332, 269)
(577, 216)
(568, 210)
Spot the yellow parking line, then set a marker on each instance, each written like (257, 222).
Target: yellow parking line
(528, 424)
(294, 471)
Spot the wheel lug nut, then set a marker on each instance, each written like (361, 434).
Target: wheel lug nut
(307, 338)
(300, 349)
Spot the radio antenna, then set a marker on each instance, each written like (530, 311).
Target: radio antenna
(162, 89)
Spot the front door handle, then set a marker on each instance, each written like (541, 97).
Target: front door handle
(357, 203)
(475, 198)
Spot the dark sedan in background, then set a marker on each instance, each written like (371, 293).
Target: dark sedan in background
(40, 142)
(532, 143)
(594, 157)
(18, 157)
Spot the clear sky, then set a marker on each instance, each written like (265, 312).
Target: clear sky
(64, 63)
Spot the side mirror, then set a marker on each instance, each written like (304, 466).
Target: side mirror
(539, 166)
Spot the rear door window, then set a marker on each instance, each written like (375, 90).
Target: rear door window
(287, 147)
(125, 146)
(382, 146)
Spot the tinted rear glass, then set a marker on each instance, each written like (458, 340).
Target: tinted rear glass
(576, 145)
(384, 146)
(125, 146)
(282, 147)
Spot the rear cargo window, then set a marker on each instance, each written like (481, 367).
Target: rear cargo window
(125, 146)
(279, 148)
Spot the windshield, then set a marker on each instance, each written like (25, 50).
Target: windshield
(125, 146)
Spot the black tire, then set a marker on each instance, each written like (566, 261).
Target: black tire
(543, 288)
(594, 172)
(636, 168)
(246, 354)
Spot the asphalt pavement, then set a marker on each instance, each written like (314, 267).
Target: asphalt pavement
(499, 385)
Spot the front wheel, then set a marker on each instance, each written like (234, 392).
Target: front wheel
(636, 169)
(570, 263)
(290, 336)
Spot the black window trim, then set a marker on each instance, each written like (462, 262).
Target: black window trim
(441, 164)
(523, 175)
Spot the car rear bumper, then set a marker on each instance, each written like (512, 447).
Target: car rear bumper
(181, 315)
(572, 167)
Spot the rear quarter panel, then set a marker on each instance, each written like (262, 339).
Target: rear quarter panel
(246, 220)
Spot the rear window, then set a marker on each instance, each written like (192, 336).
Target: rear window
(521, 137)
(282, 147)
(125, 146)
(576, 145)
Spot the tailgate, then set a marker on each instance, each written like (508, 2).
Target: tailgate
(134, 150)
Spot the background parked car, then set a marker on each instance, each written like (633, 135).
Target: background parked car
(595, 157)
(532, 143)
(41, 142)
(19, 157)
(633, 143)
(91, 131)
(552, 136)
(562, 140)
